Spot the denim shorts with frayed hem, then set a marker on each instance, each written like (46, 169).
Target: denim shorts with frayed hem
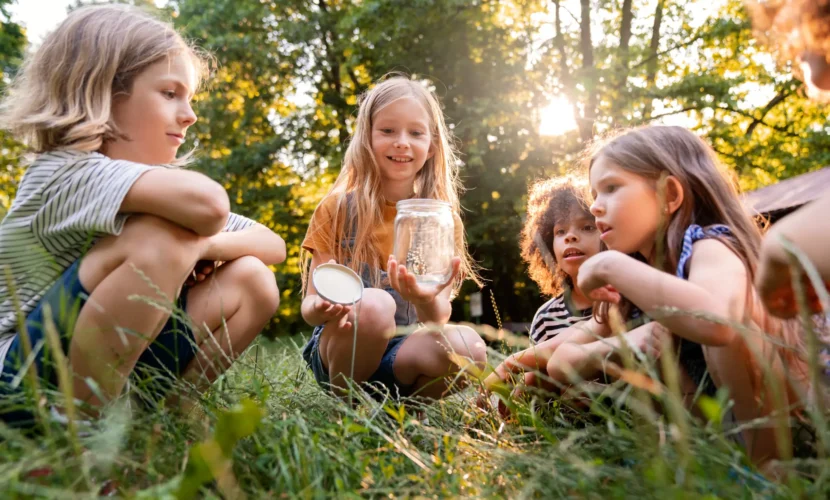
(157, 367)
(380, 384)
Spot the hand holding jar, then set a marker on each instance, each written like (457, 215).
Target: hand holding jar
(424, 261)
(410, 289)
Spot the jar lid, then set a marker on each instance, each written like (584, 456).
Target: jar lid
(428, 203)
(338, 284)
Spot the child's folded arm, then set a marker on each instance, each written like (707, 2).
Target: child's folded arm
(257, 241)
(716, 287)
(188, 198)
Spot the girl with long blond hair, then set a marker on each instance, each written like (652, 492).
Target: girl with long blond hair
(401, 149)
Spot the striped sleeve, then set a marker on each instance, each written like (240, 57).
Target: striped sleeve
(85, 197)
(237, 222)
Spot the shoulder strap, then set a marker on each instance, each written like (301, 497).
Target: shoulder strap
(693, 234)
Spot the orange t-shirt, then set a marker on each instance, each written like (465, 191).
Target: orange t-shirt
(319, 237)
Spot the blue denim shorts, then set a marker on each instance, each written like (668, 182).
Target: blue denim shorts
(163, 361)
(380, 384)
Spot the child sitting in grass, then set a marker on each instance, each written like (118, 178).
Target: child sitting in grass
(558, 236)
(104, 233)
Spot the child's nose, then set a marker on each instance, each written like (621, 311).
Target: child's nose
(596, 209)
(401, 142)
(187, 117)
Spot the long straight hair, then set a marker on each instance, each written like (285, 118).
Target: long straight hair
(361, 181)
(710, 197)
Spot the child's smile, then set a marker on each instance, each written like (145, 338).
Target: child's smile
(401, 140)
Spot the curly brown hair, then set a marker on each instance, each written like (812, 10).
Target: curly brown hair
(549, 202)
(792, 27)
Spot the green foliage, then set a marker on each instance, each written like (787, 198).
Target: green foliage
(211, 459)
(12, 44)
(312, 445)
(277, 113)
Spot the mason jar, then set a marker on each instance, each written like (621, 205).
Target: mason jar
(425, 239)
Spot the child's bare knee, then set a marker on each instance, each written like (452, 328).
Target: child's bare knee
(153, 245)
(257, 281)
(468, 343)
(153, 242)
(375, 313)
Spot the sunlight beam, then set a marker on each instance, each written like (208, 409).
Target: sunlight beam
(557, 118)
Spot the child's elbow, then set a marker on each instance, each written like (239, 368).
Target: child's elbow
(214, 208)
(722, 335)
(279, 250)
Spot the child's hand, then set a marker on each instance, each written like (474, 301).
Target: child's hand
(774, 284)
(202, 270)
(406, 284)
(592, 277)
(648, 338)
(329, 312)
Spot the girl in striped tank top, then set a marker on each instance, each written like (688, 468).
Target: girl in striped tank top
(558, 236)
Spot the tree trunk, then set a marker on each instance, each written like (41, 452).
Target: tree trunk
(654, 46)
(565, 74)
(622, 73)
(336, 98)
(586, 47)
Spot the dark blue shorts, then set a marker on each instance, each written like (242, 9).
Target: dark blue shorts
(380, 384)
(157, 367)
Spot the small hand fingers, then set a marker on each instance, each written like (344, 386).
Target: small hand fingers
(392, 268)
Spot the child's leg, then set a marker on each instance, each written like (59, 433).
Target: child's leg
(423, 360)
(244, 295)
(375, 326)
(113, 328)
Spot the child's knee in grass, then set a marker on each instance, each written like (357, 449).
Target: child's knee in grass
(258, 282)
(467, 343)
(376, 314)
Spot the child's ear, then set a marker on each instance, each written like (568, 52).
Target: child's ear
(674, 194)
(431, 151)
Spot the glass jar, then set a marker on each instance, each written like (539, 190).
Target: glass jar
(425, 239)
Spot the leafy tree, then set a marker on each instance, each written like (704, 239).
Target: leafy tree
(275, 120)
(12, 44)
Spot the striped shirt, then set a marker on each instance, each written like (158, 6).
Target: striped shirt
(555, 315)
(65, 202)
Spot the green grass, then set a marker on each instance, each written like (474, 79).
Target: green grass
(311, 445)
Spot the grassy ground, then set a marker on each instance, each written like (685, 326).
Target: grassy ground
(310, 445)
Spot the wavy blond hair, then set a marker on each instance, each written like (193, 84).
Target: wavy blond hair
(360, 179)
(62, 97)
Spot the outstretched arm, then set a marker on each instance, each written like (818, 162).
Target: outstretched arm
(536, 357)
(716, 286)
